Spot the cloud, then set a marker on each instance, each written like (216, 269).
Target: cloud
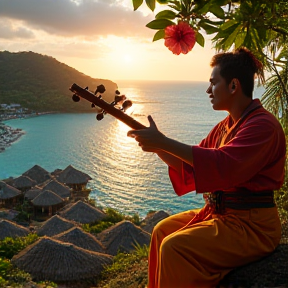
(10, 31)
(89, 18)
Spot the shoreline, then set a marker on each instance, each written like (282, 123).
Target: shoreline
(9, 135)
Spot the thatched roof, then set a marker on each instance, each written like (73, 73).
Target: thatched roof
(32, 193)
(11, 229)
(37, 174)
(58, 188)
(151, 220)
(81, 239)
(83, 212)
(23, 182)
(49, 259)
(7, 191)
(70, 175)
(123, 236)
(55, 225)
(47, 198)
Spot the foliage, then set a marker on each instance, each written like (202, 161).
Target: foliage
(10, 275)
(12, 246)
(41, 83)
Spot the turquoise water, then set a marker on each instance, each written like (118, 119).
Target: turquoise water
(123, 176)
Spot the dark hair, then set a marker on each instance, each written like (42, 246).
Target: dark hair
(240, 64)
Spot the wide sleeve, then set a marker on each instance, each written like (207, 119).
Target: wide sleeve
(256, 146)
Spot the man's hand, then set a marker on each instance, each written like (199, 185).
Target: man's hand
(149, 139)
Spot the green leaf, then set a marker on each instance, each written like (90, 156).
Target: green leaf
(239, 40)
(230, 40)
(159, 35)
(151, 4)
(228, 24)
(162, 1)
(159, 24)
(137, 4)
(217, 11)
(200, 39)
(166, 14)
(210, 29)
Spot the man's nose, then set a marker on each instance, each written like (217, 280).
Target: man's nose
(209, 90)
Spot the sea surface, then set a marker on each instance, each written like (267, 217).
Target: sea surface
(123, 176)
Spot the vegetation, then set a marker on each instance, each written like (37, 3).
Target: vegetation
(41, 83)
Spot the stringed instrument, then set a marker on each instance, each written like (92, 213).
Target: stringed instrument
(110, 108)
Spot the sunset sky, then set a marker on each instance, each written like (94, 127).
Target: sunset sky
(101, 38)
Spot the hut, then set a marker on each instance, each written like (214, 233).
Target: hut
(11, 229)
(83, 213)
(152, 219)
(123, 237)
(32, 193)
(49, 259)
(38, 174)
(58, 188)
(46, 204)
(9, 195)
(23, 183)
(54, 226)
(76, 180)
(81, 239)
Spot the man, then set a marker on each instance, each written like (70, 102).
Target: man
(239, 164)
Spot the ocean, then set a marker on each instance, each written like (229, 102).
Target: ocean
(123, 176)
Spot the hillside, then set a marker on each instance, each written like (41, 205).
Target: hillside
(41, 83)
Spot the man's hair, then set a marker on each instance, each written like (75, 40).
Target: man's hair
(240, 64)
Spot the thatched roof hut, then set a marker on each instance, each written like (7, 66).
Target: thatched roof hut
(47, 198)
(7, 191)
(81, 239)
(49, 259)
(54, 225)
(23, 183)
(123, 236)
(151, 220)
(71, 176)
(11, 229)
(58, 188)
(32, 193)
(83, 212)
(37, 174)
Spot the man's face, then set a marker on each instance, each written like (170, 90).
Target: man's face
(219, 91)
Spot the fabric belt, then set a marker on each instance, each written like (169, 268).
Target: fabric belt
(241, 199)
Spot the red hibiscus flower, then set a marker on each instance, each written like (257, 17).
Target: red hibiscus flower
(179, 38)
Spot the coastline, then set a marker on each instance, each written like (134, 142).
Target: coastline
(9, 135)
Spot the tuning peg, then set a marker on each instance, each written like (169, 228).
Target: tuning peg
(117, 92)
(92, 105)
(75, 98)
(101, 89)
(127, 104)
(100, 116)
(86, 88)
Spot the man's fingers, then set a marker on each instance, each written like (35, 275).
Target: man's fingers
(151, 121)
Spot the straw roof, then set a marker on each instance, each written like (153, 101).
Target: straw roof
(54, 225)
(70, 175)
(83, 212)
(7, 191)
(58, 188)
(32, 193)
(49, 259)
(37, 174)
(151, 220)
(23, 182)
(11, 229)
(47, 198)
(123, 236)
(81, 239)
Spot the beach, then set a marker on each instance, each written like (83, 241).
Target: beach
(8, 135)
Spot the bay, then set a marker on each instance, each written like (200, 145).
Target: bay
(123, 176)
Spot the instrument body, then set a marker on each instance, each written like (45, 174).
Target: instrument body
(108, 108)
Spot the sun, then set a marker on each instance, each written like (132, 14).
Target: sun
(128, 59)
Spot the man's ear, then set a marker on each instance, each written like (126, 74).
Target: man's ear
(234, 84)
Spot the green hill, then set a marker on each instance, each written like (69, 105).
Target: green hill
(41, 83)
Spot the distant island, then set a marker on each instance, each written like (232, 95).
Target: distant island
(40, 83)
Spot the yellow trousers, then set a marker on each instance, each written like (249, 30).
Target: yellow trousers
(197, 248)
